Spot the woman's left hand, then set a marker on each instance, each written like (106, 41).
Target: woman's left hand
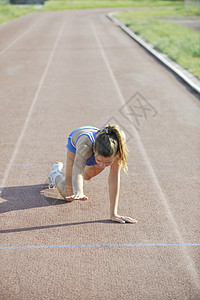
(122, 219)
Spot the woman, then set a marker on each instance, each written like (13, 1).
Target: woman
(90, 151)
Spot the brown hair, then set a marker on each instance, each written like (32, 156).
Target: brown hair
(111, 141)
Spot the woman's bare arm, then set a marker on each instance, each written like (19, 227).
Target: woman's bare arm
(83, 152)
(114, 188)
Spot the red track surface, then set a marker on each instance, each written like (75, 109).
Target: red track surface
(61, 70)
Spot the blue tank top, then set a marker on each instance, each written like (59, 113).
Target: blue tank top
(91, 135)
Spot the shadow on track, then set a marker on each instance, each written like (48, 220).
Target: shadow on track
(53, 226)
(25, 197)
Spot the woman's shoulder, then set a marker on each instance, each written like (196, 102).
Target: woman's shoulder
(84, 147)
(84, 134)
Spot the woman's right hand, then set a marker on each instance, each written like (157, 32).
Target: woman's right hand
(76, 197)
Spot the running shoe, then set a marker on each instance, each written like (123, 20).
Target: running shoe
(56, 169)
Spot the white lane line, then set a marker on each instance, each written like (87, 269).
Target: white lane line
(162, 164)
(94, 246)
(19, 140)
(18, 38)
(189, 262)
(22, 164)
(155, 163)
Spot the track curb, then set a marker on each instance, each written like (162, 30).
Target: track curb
(185, 75)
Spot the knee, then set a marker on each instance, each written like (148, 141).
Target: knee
(59, 179)
(87, 177)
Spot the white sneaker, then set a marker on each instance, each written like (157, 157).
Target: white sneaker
(56, 169)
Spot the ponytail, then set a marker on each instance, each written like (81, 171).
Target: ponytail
(111, 141)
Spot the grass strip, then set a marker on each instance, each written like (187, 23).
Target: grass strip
(81, 4)
(8, 12)
(181, 44)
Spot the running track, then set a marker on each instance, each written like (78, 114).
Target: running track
(61, 70)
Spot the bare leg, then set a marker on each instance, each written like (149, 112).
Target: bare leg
(91, 171)
(64, 184)
(60, 183)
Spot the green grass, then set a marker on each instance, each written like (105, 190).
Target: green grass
(77, 4)
(8, 12)
(178, 42)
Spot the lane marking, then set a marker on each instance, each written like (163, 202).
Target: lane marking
(97, 246)
(18, 38)
(167, 163)
(129, 163)
(189, 262)
(162, 164)
(22, 164)
(155, 163)
(24, 128)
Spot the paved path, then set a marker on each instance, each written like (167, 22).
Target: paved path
(61, 70)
